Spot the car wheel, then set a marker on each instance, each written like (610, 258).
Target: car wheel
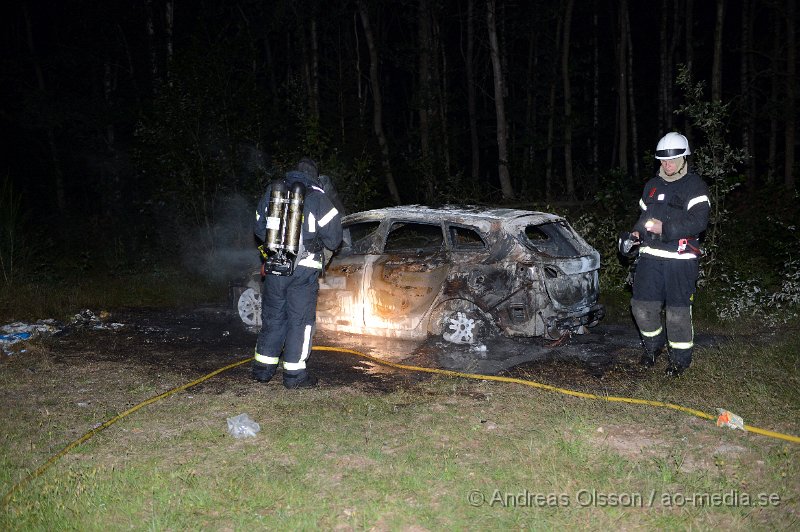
(249, 307)
(468, 326)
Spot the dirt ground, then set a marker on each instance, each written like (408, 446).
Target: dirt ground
(200, 340)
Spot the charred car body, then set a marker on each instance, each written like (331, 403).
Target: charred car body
(462, 273)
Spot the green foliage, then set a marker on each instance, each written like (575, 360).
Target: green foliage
(739, 296)
(714, 159)
(355, 182)
(211, 135)
(615, 196)
(601, 232)
(742, 277)
(601, 224)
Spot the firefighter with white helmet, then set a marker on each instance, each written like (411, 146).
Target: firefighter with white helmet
(674, 212)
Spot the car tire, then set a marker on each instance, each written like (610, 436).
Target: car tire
(249, 307)
(463, 324)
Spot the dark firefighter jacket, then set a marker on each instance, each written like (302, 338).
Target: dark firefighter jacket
(683, 207)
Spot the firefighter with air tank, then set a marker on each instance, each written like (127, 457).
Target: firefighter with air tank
(674, 212)
(295, 220)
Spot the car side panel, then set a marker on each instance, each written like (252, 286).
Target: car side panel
(340, 306)
(400, 290)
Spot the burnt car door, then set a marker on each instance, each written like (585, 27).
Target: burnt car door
(402, 283)
(340, 305)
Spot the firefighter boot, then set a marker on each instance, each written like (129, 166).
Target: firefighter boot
(263, 372)
(652, 348)
(302, 380)
(673, 370)
(679, 360)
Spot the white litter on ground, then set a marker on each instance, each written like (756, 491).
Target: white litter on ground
(18, 331)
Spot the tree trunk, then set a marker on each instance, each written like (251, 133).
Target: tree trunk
(359, 76)
(772, 156)
(340, 93)
(424, 95)
(632, 102)
(377, 103)
(568, 178)
(689, 45)
(663, 71)
(530, 108)
(791, 86)
(622, 86)
(314, 93)
(551, 108)
(168, 23)
(151, 44)
(131, 69)
(689, 35)
(716, 73)
(499, 106)
(111, 192)
(471, 97)
(595, 96)
(58, 177)
(748, 117)
(442, 99)
(677, 17)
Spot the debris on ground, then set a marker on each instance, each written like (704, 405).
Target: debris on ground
(729, 419)
(88, 319)
(242, 426)
(14, 333)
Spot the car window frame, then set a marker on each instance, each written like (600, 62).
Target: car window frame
(390, 223)
(571, 237)
(452, 244)
(370, 243)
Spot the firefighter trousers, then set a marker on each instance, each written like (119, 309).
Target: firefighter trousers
(669, 283)
(288, 315)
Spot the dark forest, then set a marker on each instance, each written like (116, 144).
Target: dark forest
(127, 125)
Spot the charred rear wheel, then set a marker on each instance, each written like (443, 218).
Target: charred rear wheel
(249, 307)
(245, 298)
(461, 329)
(463, 324)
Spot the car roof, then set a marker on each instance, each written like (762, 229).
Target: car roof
(453, 213)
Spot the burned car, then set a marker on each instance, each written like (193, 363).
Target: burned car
(462, 273)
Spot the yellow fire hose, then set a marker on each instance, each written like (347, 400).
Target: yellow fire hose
(609, 398)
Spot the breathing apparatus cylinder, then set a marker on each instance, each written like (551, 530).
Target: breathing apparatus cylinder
(284, 227)
(276, 225)
(294, 218)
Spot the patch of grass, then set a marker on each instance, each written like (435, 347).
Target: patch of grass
(63, 297)
(445, 453)
(617, 303)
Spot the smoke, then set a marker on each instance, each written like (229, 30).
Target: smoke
(224, 249)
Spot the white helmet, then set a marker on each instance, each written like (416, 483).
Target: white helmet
(672, 145)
